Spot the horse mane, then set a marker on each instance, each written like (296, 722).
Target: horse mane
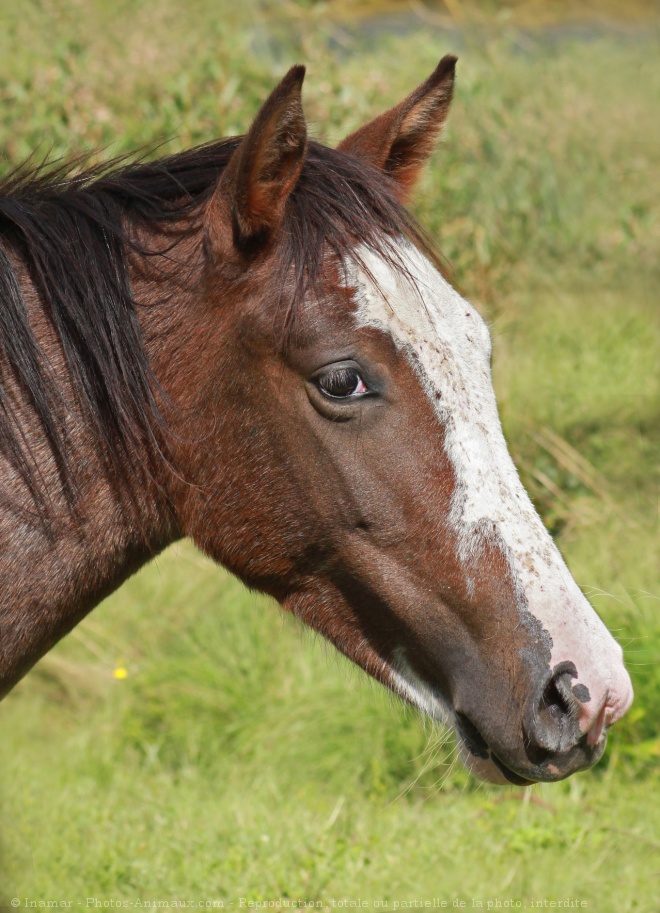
(73, 227)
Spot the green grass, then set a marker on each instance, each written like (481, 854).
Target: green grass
(241, 757)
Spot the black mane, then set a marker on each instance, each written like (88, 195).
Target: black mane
(73, 228)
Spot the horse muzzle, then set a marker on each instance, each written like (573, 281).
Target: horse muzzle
(560, 736)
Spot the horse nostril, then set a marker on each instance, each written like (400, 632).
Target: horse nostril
(558, 700)
(555, 726)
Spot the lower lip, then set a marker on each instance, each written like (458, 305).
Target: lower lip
(486, 767)
(509, 775)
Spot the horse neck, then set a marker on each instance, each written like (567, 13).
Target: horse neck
(53, 573)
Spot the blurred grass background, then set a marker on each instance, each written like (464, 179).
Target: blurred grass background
(187, 739)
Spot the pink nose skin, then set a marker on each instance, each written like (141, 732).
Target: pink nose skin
(612, 708)
(594, 734)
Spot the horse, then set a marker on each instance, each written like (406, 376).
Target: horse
(254, 344)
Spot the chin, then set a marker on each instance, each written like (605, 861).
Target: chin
(490, 769)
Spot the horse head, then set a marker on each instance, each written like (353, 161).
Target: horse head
(357, 469)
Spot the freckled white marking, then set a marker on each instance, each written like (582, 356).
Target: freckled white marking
(448, 345)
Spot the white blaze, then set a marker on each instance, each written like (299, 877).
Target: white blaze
(448, 345)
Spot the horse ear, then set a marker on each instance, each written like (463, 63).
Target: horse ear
(401, 140)
(264, 169)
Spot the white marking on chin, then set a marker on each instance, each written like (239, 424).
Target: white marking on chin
(448, 345)
(416, 691)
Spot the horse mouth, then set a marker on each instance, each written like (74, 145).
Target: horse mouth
(510, 775)
(481, 760)
(477, 755)
(484, 764)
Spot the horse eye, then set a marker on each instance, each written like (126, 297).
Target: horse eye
(342, 383)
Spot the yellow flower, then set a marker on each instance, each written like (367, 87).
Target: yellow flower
(120, 673)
